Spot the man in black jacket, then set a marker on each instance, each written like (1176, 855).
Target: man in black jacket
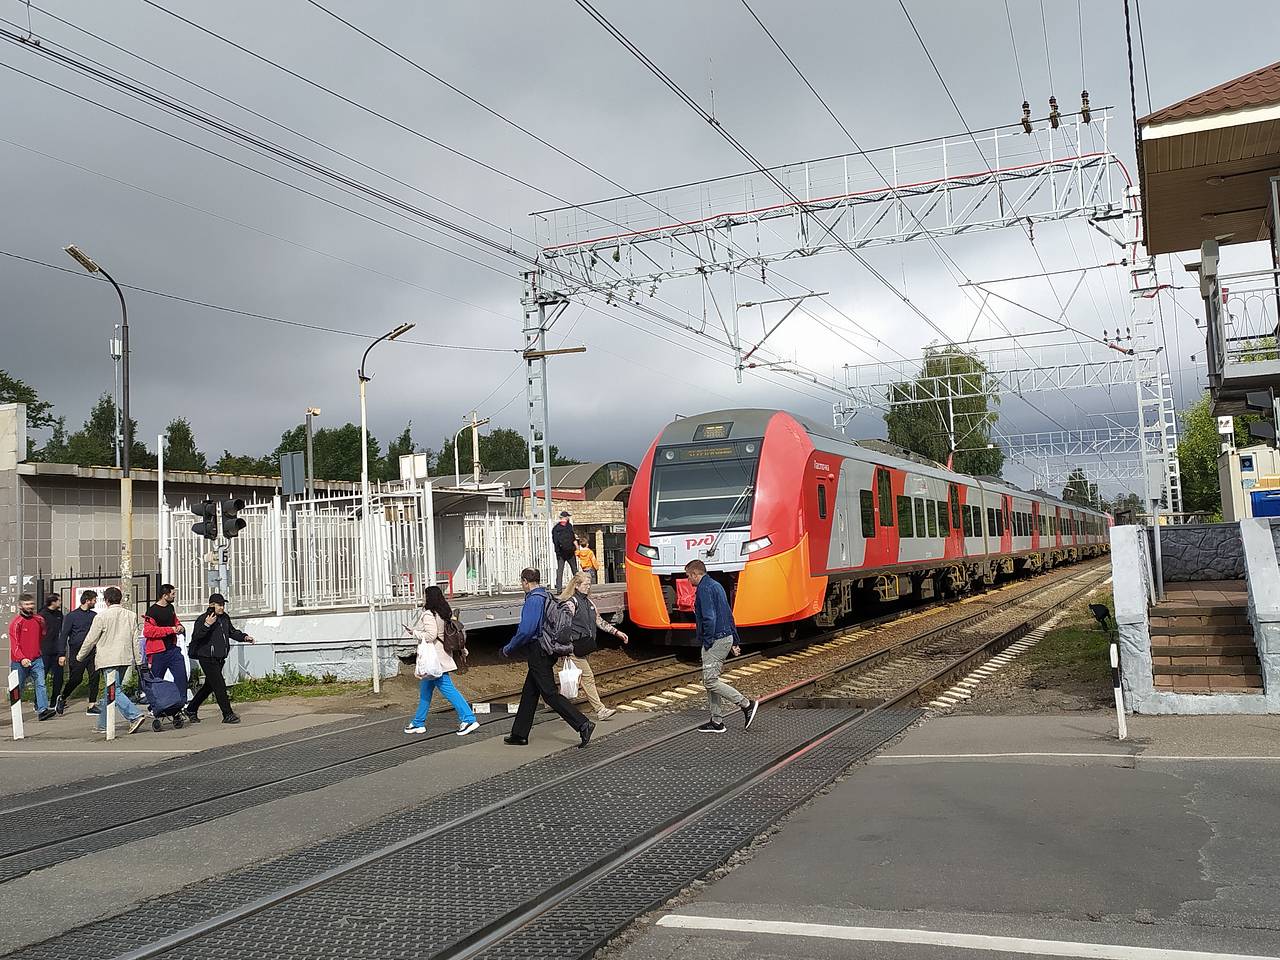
(52, 650)
(566, 543)
(75, 627)
(210, 645)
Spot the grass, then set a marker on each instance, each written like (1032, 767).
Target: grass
(289, 683)
(1076, 651)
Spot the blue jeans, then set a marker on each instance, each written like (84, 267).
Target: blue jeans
(123, 703)
(442, 683)
(36, 670)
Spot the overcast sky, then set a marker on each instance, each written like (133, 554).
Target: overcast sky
(199, 226)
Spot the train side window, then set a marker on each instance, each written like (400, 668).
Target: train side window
(922, 528)
(954, 499)
(867, 507)
(822, 501)
(991, 521)
(999, 523)
(886, 497)
(931, 514)
(944, 519)
(904, 517)
(970, 526)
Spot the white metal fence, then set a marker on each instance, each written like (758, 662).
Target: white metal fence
(308, 554)
(497, 548)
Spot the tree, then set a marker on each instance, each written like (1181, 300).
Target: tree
(180, 451)
(925, 427)
(500, 449)
(1127, 503)
(13, 390)
(1080, 490)
(55, 448)
(93, 445)
(403, 445)
(1198, 450)
(337, 451)
(243, 465)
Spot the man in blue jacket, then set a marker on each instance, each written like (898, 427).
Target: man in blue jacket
(539, 680)
(718, 635)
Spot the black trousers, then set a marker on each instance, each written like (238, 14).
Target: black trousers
(78, 670)
(541, 683)
(55, 673)
(211, 668)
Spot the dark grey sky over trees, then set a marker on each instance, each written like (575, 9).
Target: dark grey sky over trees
(206, 229)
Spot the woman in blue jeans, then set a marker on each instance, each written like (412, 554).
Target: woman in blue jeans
(429, 627)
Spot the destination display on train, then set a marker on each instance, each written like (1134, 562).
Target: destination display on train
(719, 451)
(713, 431)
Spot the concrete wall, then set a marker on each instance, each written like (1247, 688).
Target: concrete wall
(1263, 580)
(1200, 551)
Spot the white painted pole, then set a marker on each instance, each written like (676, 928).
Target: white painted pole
(367, 551)
(162, 516)
(15, 704)
(1119, 695)
(111, 679)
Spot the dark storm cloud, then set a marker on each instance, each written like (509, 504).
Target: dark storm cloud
(267, 249)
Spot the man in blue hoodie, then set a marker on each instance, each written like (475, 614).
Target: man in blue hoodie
(718, 635)
(539, 681)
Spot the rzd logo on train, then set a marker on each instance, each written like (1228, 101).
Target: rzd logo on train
(706, 541)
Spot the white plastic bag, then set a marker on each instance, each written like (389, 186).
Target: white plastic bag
(569, 676)
(428, 663)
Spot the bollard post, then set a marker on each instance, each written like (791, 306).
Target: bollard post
(15, 704)
(110, 680)
(1115, 684)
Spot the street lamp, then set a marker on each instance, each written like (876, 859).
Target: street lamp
(473, 425)
(126, 480)
(364, 498)
(311, 470)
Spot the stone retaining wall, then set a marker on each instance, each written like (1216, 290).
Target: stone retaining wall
(1193, 552)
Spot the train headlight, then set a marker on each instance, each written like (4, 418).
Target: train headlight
(647, 551)
(752, 546)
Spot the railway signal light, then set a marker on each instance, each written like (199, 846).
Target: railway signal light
(232, 523)
(1264, 402)
(207, 511)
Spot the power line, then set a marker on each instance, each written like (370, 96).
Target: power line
(1048, 56)
(1142, 46)
(257, 316)
(1013, 42)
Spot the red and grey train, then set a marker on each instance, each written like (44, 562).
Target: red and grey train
(799, 522)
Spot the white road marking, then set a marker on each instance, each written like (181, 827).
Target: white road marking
(29, 753)
(942, 938)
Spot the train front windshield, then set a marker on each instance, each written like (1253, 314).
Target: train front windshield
(696, 489)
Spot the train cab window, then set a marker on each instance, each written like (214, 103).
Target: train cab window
(944, 519)
(885, 495)
(905, 528)
(867, 509)
(931, 513)
(922, 527)
(822, 501)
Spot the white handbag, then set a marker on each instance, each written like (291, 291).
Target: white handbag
(428, 663)
(569, 676)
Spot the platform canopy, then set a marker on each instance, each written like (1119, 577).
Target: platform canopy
(1208, 161)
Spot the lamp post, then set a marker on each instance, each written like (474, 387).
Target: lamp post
(366, 552)
(474, 425)
(311, 470)
(126, 480)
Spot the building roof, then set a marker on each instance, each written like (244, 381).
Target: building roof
(572, 477)
(1259, 88)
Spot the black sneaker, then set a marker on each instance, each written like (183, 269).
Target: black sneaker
(712, 726)
(515, 741)
(191, 716)
(60, 706)
(749, 711)
(93, 710)
(585, 733)
(230, 718)
(47, 713)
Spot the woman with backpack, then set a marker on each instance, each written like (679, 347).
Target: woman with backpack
(430, 629)
(586, 620)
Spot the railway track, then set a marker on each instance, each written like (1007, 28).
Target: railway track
(558, 854)
(98, 814)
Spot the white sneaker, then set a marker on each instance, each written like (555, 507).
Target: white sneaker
(410, 727)
(608, 713)
(465, 728)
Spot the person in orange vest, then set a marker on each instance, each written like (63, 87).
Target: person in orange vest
(587, 562)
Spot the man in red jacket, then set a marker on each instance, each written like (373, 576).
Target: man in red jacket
(26, 632)
(161, 628)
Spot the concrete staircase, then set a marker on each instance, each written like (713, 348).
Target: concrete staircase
(1202, 641)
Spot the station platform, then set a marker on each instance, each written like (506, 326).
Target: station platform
(983, 837)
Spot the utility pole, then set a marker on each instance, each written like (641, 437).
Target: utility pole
(126, 479)
(311, 460)
(474, 424)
